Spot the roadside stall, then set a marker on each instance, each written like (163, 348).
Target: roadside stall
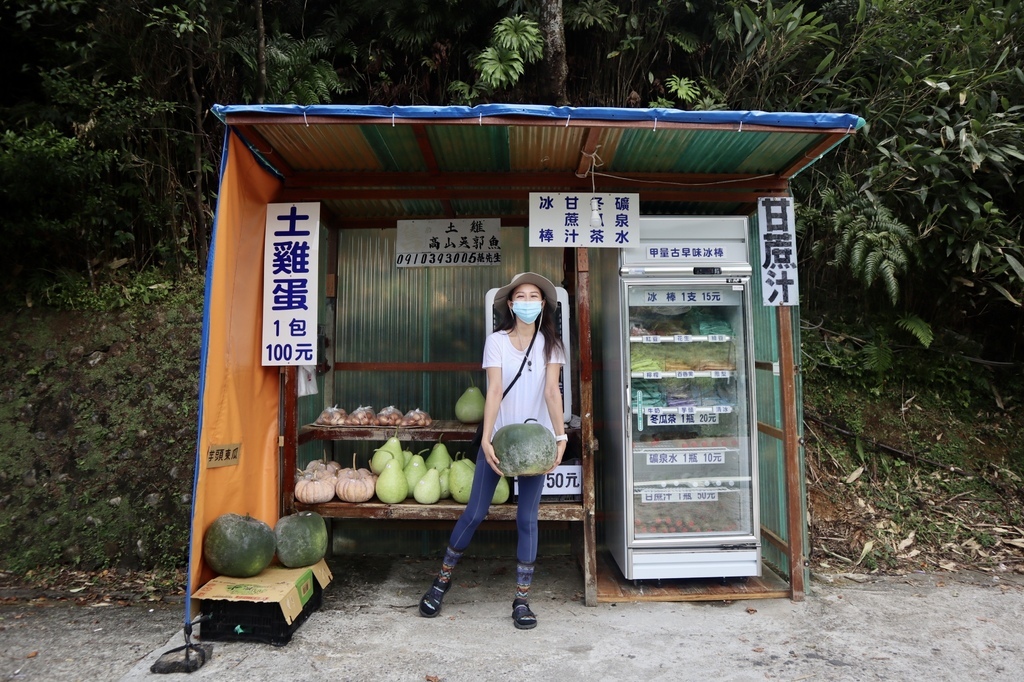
(408, 217)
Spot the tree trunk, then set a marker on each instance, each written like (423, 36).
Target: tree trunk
(553, 28)
(261, 54)
(202, 233)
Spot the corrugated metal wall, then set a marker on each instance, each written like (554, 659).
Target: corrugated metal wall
(769, 411)
(391, 314)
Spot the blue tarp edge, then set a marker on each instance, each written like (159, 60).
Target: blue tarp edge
(788, 119)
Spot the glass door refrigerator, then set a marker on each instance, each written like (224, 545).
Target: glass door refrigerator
(681, 495)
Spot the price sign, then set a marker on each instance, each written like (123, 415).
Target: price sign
(566, 479)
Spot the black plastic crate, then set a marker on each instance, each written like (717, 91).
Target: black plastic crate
(239, 621)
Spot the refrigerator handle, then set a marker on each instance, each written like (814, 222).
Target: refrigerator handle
(639, 410)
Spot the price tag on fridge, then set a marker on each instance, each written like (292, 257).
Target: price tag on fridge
(678, 457)
(655, 496)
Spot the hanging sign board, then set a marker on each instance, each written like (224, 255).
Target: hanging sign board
(583, 219)
(291, 258)
(777, 227)
(427, 243)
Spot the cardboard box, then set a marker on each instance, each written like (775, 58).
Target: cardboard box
(268, 607)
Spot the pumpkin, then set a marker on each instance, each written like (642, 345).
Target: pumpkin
(524, 449)
(314, 488)
(238, 546)
(355, 485)
(301, 539)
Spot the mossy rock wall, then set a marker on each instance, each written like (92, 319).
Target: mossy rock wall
(98, 423)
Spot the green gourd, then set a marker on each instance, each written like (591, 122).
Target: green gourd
(428, 488)
(392, 485)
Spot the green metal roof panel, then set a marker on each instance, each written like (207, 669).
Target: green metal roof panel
(470, 148)
(395, 147)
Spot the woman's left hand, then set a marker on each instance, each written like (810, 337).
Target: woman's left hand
(560, 446)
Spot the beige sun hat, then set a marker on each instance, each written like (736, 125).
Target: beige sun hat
(542, 283)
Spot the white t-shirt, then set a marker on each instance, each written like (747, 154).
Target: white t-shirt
(526, 399)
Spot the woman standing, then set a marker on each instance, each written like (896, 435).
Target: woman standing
(526, 345)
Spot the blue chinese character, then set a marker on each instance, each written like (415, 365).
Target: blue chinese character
(292, 218)
(546, 235)
(570, 236)
(572, 219)
(297, 327)
(621, 220)
(621, 237)
(597, 236)
(290, 294)
(621, 203)
(572, 203)
(546, 203)
(290, 257)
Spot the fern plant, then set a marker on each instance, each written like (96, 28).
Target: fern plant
(871, 240)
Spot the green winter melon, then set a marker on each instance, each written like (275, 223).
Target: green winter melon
(524, 449)
(238, 546)
(301, 539)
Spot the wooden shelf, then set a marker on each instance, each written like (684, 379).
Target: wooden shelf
(444, 510)
(454, 430)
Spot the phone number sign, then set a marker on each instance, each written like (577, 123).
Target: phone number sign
(291, 259)
(426, 243)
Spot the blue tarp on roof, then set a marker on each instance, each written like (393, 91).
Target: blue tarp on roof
(779, 119)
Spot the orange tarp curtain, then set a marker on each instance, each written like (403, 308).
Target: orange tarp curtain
(239, 398)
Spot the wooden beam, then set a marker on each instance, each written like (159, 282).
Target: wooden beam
(262, 146)
(791, 453)
(677, 194)
(430, 159)
(811, 155)
(590, 144)
(290, 447)
(407, 366)
(534, 181)
(588, 442)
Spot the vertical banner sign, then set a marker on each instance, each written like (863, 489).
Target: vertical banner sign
(427, 243)
(777, 227)
(585, 220)
(291, 283)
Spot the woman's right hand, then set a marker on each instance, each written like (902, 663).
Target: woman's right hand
(492, 459)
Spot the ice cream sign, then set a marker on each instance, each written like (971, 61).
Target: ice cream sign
(291, 258)
(582, 219)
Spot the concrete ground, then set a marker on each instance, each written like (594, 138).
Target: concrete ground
(935, 627)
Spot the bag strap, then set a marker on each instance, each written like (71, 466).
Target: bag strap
(525, 358)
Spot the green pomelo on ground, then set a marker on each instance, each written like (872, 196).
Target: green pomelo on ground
(301, 539)
(524, 449)
(238, 546)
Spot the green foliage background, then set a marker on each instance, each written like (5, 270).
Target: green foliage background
(911, 262)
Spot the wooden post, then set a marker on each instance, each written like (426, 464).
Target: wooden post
(791, 453)
(587, 448)
(290, 438)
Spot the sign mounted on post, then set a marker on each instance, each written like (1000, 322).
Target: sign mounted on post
(291, 258)
(777, 228)
(584, 219)
(426, 243)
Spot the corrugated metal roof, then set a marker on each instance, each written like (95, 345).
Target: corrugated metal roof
(371, 165)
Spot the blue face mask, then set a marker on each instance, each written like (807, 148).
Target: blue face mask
(527, 311)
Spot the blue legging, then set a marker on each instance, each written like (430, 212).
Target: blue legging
(484, 483)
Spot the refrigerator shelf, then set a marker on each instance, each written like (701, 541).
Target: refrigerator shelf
(706, 482)
(685, 374)
(686, 409)
(681, 338)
